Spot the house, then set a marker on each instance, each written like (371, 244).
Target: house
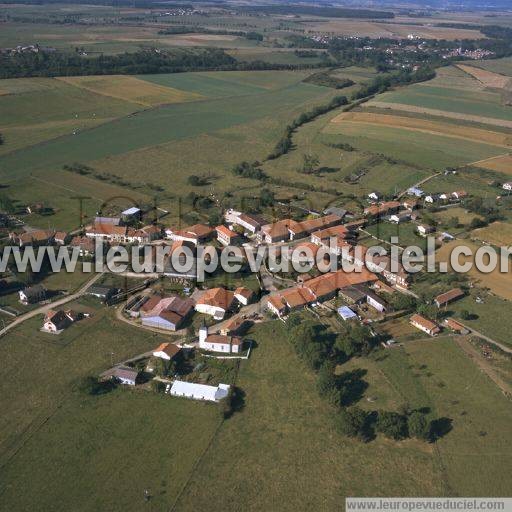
(455, 326)
(303, 253)
(144, 235)
(199, 391)
(244, 295)
(234, 326)
(346, 313)
(398, 218)
(32, 294)
(323, 236)
(450, 296)
(196, 234)
(167, 313)
(61, 237)
(275, 232)
(108, 231)
(215, 302)
(86, 246)
(380, 210)
(415, 191)
(251, 223)
(425, 325)
(306, 227)
(219, 342)
(323, 287)
(56, 321)
(276, 305)
(122, 374)
(425, 229)
(101, 291)
(411, 204)
(167, 351)
(131, 214)
(227, 237)
(296, 298)
(374, 196)
(432, 198)
(507, 185)
(459, 194)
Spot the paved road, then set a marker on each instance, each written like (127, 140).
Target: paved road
(44, 309)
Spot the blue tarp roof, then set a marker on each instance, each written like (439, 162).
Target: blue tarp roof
(346, 313)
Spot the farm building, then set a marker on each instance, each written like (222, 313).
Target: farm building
(101, 291)
(199, 391)
(249, 222)
(107, 231)
(376, 302)
(424, 229)
(122, 374)
(507, 185)
(167, 313)
(131, 214)
(424, 324)
(398, 218)
(455, 326)
(450, 296)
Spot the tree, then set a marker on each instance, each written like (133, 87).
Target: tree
(196, 181)
(327, 384)
(309, 163)
(392, 425)
(352, 422)
(1, 139)
(418, 426)
(400, 301)
(267, 197)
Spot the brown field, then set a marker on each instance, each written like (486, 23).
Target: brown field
(426, 126)
(488, 78)
(499, 283)
(131, 89)
(441, 113)
(497, 233)
(502, 163)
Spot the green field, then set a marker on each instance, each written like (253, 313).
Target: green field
(501, 66)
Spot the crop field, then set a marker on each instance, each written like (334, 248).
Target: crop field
(426, 126)
(273, 56)
(497, 233)
(499, 283)
(130, 89)
(486, 77)
(502, 164)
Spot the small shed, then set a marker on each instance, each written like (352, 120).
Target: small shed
(346, 313)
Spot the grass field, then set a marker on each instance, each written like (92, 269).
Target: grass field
(501, 66)
(423, 149)
(406, 233)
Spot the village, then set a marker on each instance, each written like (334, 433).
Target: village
(204, 325)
